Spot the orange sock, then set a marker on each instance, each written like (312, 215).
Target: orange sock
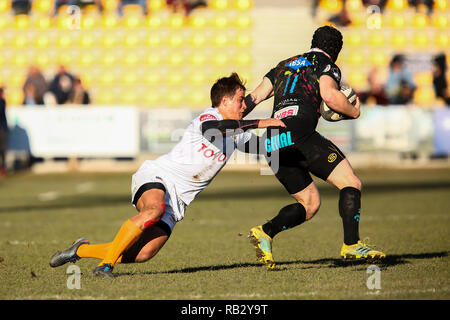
(97, 251)
(128, 234)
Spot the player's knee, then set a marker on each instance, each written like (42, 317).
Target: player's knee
(151, 214)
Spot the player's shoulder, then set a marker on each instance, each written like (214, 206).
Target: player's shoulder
(209, 114)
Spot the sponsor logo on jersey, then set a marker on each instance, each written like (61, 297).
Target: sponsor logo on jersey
(298, 63)
(332, 157)
(207, 116)
(286, 112)
(279, 141)
(210, 153)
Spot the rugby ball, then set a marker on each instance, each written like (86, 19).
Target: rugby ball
(331, 115)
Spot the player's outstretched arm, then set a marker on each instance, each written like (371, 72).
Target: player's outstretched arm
(262, 92)
(224, 126)
(335, 99)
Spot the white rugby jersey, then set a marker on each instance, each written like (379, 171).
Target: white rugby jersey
(194, 161)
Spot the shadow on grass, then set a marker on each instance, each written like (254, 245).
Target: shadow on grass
(390, 261)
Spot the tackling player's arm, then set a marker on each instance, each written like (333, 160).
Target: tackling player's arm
(335, 99)
(239, 125)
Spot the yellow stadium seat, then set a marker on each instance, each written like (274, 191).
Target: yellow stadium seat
(151, 97)
(131, 10)
(397, 21)
(243, 21)
(397, 4)
(243, 4)
(424, 96)
(421, 39)
(399, 40)
(176, 40)
(110, 21)
(5, 6)
(354, 5)
(356, 58)
(379, 59)
(331, 6)
(219, 4)
(175, 97)
(21, 22)
(132, 22)
(110, 5)
(129, 96)
(198, 59)
(87, 40)
(176, 59)
(353, 39)
(220, 59)
(198, 98)
(109, 40)
(420, 20)
(243, 59)
(20, 41)
(243, 40)
(423, 79)
(86, 59)
(153, 40)
(220, 21)
(221, 40)
(153, 59)
(14, 96)
(42, 60)
(198, 20)
(43, 7)
(88, 22)
(108, 59)
(376, 39)
(441, 5)
(442, 40)
(131, 59)
(357, 79)
(198, 40)
(65, 40)
(17, 79)
(41, 41)
(154, 21)
(5, 21)
(176, 20)
(130, 78)
(65, 58)
(152, 78)
(175, 78)
(20, 60)
(108, 77)
(198, 78)
(440, 20)
(132, 40)
(156, 5)
(43, 22)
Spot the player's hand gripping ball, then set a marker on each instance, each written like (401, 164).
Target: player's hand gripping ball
(331, 115)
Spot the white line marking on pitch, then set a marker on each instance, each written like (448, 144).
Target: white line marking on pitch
(48, 196)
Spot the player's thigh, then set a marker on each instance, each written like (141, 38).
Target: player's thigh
(309, 197)
(291, 171)
(322, 155)
(343, 176)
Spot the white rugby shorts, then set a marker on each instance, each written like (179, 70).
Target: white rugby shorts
(149, 172)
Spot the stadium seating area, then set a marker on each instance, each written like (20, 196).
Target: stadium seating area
(162, 59)
(374, 36)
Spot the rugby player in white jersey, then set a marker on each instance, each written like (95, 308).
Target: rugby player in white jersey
(163, 188)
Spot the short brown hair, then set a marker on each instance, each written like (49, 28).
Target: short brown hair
(225, 86)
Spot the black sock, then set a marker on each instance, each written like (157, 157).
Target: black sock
(290, 216)
(349, 210)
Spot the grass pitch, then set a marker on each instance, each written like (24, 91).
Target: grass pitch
(405, 213)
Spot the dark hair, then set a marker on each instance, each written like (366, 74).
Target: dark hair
(398, 58)
(328, 39)
(225, 86)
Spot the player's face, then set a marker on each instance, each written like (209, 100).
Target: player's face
(235, 106)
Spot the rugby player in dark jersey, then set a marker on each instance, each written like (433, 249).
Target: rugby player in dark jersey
(298, 85)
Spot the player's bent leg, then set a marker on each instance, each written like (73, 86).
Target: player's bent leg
(310, 199)
(68, 255)
(151, 208)
(343, 176)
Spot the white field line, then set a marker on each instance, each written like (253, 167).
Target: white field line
(53, 195)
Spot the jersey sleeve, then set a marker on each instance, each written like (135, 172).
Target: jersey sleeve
(332, 71)
(271, 75)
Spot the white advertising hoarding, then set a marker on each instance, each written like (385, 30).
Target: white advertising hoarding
(81, 131)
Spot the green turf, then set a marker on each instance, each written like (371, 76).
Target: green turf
(406, 213)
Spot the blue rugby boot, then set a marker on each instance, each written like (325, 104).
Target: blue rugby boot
(104, 271)
(68, 255)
